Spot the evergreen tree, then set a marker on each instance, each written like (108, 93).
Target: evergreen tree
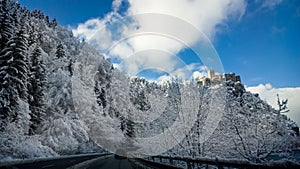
(70, 68)
(47, 20)
(138, 94)
(13, 75)
(35, 90)
(20, 55)
(129, 128)
(60, 51)
(53, 23)
(122, 123)
(6, 28)
(16, 21)
(32, 37)
(100, 95)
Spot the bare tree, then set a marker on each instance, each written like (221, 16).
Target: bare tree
(282, 105)
(257, 132)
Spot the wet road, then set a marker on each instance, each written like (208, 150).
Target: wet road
(88, 162)
(106, 163)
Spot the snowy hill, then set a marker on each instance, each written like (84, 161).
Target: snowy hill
(37, 113)
(60, 96)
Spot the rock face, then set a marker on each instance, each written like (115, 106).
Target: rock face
(238, 89)
(232, 77)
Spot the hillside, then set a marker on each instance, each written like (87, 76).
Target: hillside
(60, 96)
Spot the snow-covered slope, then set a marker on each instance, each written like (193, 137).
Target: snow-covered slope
(37, 112)
(249, 129)
(65, 98)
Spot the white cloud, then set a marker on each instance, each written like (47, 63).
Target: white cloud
(172, 35)
(197, 74)
(116, 5)
(163, 78)
(194, 71)
(88, 29)
(204, 15)
(268, 93)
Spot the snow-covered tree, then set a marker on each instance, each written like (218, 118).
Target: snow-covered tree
(282, 105)
(6, 28)
(36, 90)
(257, 130)
(129, 128)
(13, 75)
(53, 23)
(100, 95)
(26, 96)
(20, 55)
(75, 98)
(60, 51)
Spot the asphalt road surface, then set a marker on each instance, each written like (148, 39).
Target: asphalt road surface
(88, 162)
(106, 163)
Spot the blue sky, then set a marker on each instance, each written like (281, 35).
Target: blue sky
(70, 12)
(262, 46)
(259, 39)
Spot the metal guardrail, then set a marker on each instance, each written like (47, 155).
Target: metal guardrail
(147, 164)
(219, 163)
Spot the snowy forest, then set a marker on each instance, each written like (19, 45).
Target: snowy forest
(47, 75)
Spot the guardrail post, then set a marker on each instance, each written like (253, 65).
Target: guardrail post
(218, 165)
(171, 161)
(188, 164)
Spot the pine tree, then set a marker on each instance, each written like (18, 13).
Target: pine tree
(122, 123)
(16, 21)
(129, 128)
(70, 67)
(35, 90)
(21, 60)
(13, 75)
(47, 20)
(53, 23)
(6, 28)
(60, 51)
(100, 95)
